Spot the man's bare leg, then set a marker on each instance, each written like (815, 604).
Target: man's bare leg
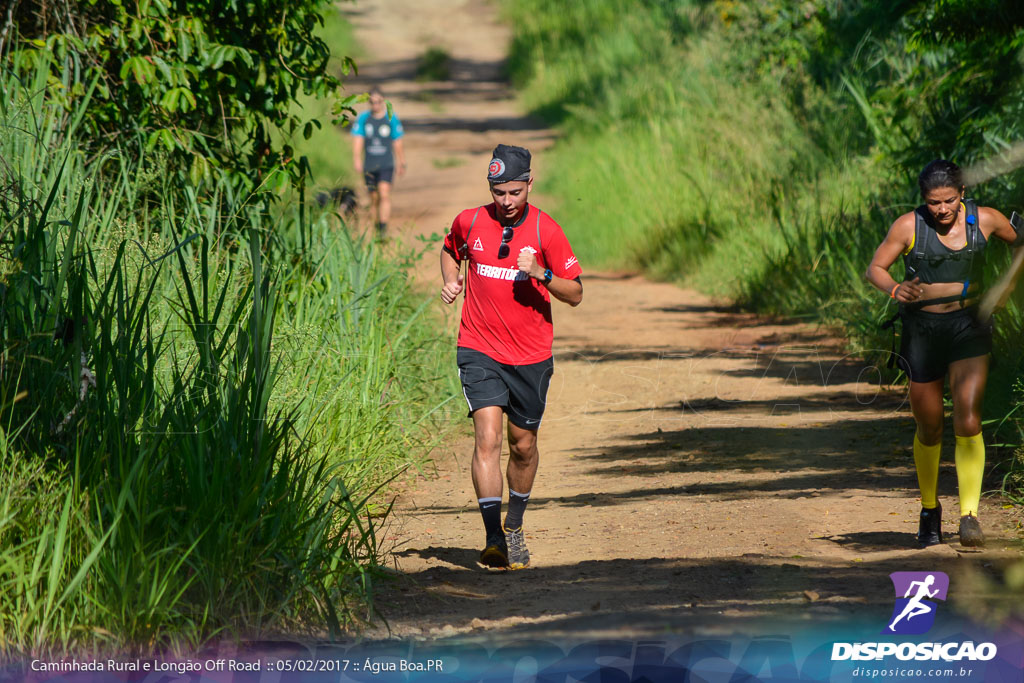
(521, 471)
(486, 471)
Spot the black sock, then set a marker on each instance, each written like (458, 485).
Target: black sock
(516, 508)
(490, 510)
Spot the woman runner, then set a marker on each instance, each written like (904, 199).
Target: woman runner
(943, 244)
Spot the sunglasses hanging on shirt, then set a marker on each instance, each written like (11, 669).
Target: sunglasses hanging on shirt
(506, 237)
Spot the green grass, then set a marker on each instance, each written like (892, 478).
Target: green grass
(756, 151)
(448, 162)
(658, 140)
(201, 397)
(433, 65)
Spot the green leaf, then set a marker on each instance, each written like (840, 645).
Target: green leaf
(199, 170)
(163, 68)
(178, 99)
(184, 43)
(217, 56)
(162, 136)
(170, 100)
(189, 97)
(139, 68)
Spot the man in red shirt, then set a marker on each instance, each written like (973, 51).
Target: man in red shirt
(516, 257)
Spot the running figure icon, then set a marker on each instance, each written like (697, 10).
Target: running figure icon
(916, 607)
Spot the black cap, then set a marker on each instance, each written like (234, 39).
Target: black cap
(508, 163)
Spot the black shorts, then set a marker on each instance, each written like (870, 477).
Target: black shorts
(381, 175)
(931, 341)
(521, 390)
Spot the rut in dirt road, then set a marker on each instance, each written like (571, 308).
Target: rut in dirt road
(700, 468)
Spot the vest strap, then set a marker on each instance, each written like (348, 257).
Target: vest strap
(465, 245)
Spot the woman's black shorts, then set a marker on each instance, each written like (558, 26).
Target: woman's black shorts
(521, 390)
(931, 341)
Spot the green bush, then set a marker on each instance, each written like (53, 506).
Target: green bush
(207, 83)
(434, 65)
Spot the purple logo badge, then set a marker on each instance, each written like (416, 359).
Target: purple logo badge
(914, 612)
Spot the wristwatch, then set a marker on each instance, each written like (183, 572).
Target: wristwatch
(548, 275)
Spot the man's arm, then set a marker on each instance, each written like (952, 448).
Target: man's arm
(357, 153)
(451, 277)
(399, 149)
(567, 291)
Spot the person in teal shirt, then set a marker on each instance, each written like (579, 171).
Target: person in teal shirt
(377, 146)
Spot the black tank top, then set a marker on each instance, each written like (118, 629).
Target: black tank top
(932, 261)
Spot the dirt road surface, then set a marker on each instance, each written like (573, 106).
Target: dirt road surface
(701, 468)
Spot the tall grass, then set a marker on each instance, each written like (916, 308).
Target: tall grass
(660, 141)
(200, 398)
(760, 151)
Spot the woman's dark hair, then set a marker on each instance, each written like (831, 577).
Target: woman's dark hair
(940, 173)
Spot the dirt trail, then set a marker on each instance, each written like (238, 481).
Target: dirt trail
(700, 468)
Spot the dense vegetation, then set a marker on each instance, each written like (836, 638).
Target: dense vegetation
(760, 150)
(203, 380)
(206, 83)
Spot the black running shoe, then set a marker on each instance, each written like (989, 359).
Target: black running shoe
(929, 531)
(518, 555)
(495, 554)
(970, 532)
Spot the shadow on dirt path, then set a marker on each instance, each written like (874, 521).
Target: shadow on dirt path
(701, 468)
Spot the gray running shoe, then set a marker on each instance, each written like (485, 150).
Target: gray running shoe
(495, 553)
(970, 532)
(518, 555)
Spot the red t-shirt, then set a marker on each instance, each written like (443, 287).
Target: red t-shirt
(507, 314)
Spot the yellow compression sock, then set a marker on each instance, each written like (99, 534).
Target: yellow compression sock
(970, 467)
(926, 458)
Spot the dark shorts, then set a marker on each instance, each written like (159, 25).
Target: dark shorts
(381, 175)
(521, 390)
(931, 341)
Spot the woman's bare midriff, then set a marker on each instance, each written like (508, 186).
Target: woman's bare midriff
(941, 289)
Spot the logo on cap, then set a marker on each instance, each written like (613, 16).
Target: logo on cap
(496, 169)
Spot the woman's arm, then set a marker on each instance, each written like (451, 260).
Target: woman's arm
(999, 293)
(895, 243)
(993, 222)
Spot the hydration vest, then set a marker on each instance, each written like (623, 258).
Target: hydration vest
(932, 261)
